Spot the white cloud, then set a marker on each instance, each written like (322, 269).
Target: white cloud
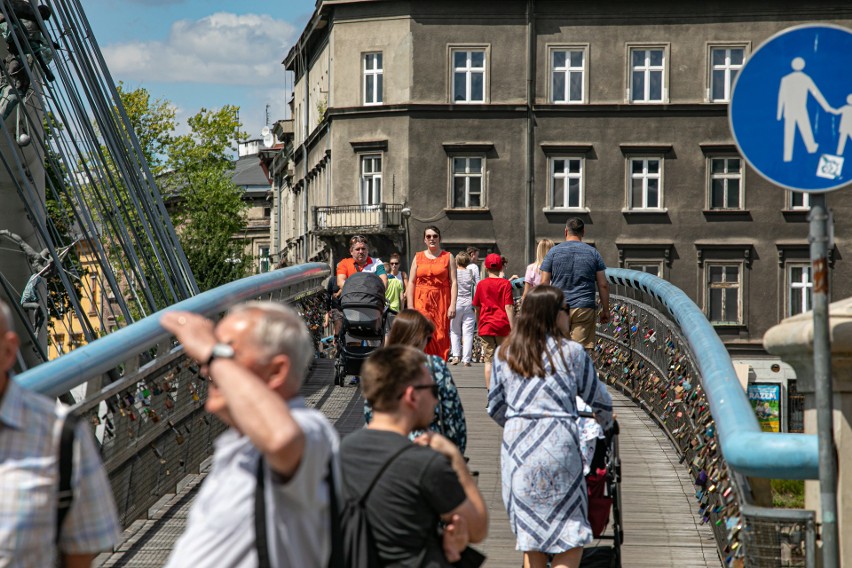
(222, 48)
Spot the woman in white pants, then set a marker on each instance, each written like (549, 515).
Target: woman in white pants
(463, 325)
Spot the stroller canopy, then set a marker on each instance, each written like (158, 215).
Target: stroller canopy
(363, 289)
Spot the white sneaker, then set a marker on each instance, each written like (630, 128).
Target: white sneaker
(454, 360)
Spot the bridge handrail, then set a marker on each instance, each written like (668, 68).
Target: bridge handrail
(745, 447)
(77, 367)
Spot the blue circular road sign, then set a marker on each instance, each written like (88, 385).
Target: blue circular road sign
(791, 108)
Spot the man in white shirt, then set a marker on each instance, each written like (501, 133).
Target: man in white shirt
(257, 357)
(473, 253)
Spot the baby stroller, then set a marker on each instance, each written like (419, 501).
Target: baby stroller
(364, 309)
(603, 485)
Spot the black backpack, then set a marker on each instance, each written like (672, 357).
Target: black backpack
(352, 544)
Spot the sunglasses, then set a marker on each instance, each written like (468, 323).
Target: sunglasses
(358, 239)
(394, 264)
(433, 387)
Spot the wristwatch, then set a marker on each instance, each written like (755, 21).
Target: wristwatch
(220, 351)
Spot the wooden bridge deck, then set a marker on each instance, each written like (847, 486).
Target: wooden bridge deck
(660, 516)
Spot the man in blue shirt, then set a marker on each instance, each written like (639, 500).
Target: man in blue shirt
(575, 268)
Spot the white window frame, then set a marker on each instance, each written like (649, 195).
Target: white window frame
(647, 69)
(739, 285)
(802, 287)
(645, 176)
(369, 192)
(730, 70)
(568, 70)
(467, 175)
(725, 177)
(468, 71)
(641, 266)
(374, 74)
(263, 260)
(554, 180)
(803, 195)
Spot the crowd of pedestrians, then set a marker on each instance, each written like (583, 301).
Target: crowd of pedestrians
(283, 490)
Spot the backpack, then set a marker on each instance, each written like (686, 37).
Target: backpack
(355, 543)
(352, 544)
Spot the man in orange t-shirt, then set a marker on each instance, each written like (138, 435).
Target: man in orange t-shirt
(359, 262)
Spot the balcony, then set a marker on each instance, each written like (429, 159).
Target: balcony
(337, 220)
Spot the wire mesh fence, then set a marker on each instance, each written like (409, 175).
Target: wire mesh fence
(642, 352)
(151, 422)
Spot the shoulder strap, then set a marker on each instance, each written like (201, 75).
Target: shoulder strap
(260, 536)
(366, 494)
(65, 496)
(336, 558)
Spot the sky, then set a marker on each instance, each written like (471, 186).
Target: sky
(203, 53)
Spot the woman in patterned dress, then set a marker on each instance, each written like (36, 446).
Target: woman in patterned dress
(432, 290)
(537, 374)
(412, 328)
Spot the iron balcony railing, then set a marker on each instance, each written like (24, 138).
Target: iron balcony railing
(144, 397)
(337, 219)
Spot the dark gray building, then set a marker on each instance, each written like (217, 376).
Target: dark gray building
(497, 120)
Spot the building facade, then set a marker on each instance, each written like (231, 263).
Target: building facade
(498, 120)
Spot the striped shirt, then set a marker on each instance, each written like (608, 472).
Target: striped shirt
(30, 425)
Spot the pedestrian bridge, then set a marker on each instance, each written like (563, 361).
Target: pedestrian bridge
(689, 437)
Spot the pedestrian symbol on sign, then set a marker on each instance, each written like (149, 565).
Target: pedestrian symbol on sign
(791, 109)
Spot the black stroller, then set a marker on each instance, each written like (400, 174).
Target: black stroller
(364, 309)
(603, 484)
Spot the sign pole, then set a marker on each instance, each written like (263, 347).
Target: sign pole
(819, 241)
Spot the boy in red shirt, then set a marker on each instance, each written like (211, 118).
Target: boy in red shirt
(494, 309)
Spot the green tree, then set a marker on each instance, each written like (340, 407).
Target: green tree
(153, 122)
(210, 214)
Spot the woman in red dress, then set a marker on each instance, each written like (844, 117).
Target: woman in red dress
(432, 290)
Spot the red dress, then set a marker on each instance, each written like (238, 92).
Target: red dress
(432, 299)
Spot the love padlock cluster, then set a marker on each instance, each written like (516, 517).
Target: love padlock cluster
(641, 354)
(154, 401)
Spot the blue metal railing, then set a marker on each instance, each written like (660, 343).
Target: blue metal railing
(746, 448)
(107, 353)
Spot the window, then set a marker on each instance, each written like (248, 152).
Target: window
(468, 76)
(646, 183)
(724, 293)
(373, 78)
(800, 200)
(725, 189)
(263, 258)
(467, 181)
(800, 286)
(725, 63)
(371, 179)
(655, 268)
(267, 212)
(567, 75)
(566, 183)
(648, 75)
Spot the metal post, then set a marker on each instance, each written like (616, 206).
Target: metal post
(819, 237)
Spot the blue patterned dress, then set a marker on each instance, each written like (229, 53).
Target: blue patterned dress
(542, 470)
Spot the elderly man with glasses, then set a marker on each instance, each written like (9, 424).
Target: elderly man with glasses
(276, 453)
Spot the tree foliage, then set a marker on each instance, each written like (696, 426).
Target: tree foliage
(194, 170)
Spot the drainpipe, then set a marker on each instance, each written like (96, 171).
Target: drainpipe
(529, 237)
(307, 116)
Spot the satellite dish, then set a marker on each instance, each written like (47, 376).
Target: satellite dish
(268, 139)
